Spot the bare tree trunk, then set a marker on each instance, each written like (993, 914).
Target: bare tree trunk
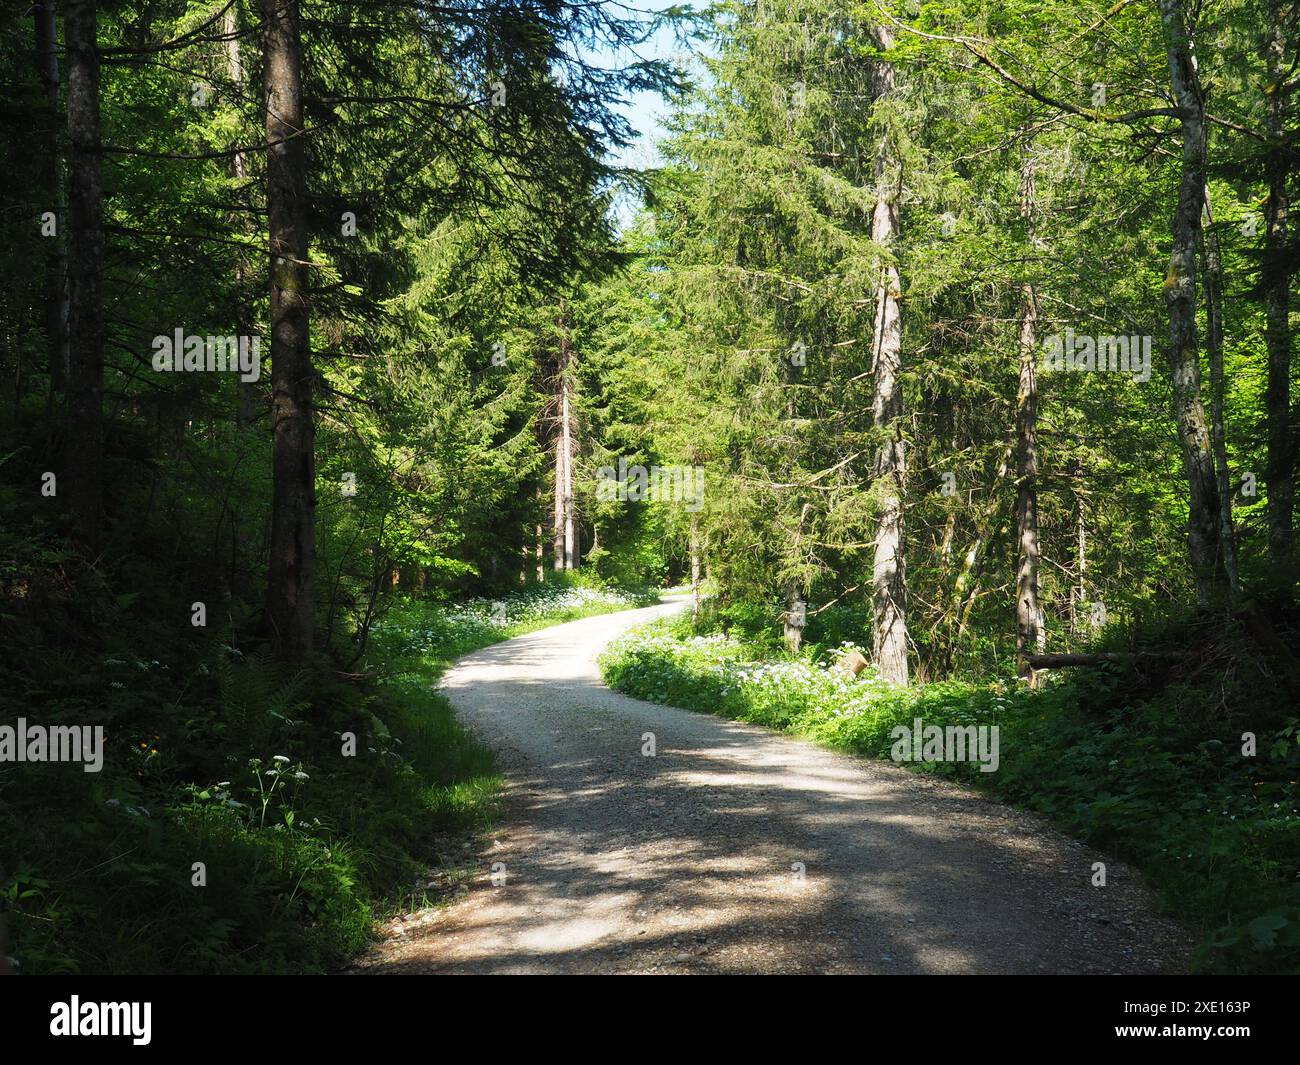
(541, 568)
(561, 461)
(793, 618)
(56, 261)
(1277, 306)
(235, 65)
(293, 532)
(889, 581)
(949, 532)
(1080, 594)
(1029, 612)
(1218, 437)
(249, 394)
(1180, 298)
(249, 397)
(695, 571)
(1030, 637)
(565, 530)
(85, 427)
(570, 442)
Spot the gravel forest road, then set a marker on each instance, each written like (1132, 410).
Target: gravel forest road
(737, 850)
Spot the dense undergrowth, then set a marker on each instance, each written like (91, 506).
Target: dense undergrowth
(216, 755)
(1143, 759)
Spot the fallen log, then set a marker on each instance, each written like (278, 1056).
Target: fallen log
(1062, 661)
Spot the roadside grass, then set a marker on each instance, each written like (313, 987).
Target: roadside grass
(249, 817)
(1147, 765)
(439, 634)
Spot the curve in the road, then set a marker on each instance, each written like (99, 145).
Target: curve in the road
(734, 849)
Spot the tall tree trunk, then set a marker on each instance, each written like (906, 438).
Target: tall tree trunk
(293, 532)
(85, 425)
(1080, 593)
(248, 390)
(695, 571)
(570, 442)
(889, 581)
(56, 261)
(561, 461)
(565, 529)
(1218, 436)
(1277, 307)
(1180, 298)
(1029, 612)
(1030, 637)
(248, 393)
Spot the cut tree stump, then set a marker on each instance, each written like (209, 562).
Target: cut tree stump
(853, 662)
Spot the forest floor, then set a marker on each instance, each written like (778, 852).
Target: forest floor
(734, 849)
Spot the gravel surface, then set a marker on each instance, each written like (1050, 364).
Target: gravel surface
(737, 850)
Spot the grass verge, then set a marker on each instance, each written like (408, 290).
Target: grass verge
(249, 817)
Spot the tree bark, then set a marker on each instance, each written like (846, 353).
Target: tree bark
(56, 260)
(1029, 613)
(561, 461)
(1181, 301)
(293, 534)
(1218, 435)
(949, 532)
(565, 528)
(791, 621)
(85, 386)
(1277, 309)
(695, 571)
(249, 393)
(570, 440)
(1079, 595)
(889, 579)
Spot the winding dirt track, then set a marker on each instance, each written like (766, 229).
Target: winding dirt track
(689, 861)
